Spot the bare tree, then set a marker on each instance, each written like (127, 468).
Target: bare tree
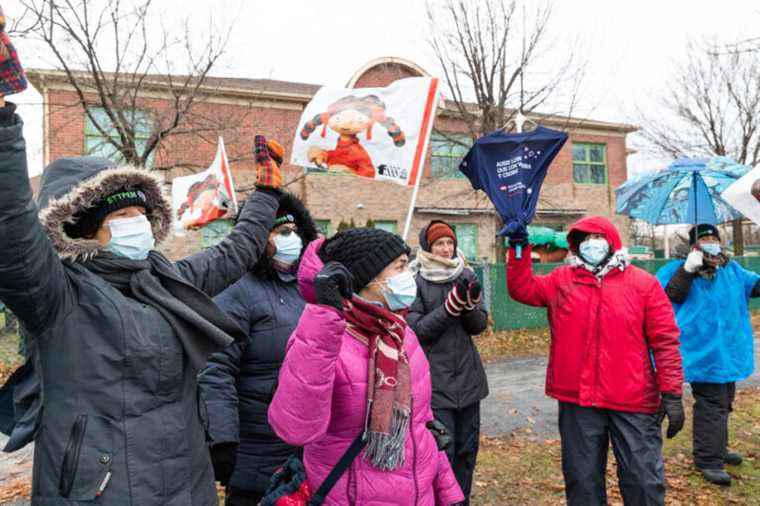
(113, 54)
(486, 50)
(711, 106)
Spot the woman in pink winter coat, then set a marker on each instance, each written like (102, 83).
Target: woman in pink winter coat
(353, 334)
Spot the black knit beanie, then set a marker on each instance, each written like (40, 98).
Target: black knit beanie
(366, 252)
(703, 229)
(87, 222)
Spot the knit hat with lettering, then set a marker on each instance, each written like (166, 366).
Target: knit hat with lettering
(87, 222)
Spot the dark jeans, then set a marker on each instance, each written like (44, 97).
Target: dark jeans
(712, 404)
(463, 425)
(637, 443)
(237, 497)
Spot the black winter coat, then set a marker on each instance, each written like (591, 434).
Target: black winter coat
(239, 382)
(458, 377)
(120, 409)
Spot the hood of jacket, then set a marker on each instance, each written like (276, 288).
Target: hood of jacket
(593, 225)
(71, 185)
(307, 229)
(308, 269)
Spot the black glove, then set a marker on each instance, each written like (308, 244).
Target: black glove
(672, 406)
(333, 285)
(441, 435)
(224, 458)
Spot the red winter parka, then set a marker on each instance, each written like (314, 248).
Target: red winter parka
(614, 340)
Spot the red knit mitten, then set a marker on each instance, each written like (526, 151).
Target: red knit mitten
(267, 170)
(12, 77)
(456, 300)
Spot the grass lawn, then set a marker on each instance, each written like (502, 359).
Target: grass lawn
(522, 470)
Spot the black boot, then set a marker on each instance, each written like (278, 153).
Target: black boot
(716, 476)
(733, 459)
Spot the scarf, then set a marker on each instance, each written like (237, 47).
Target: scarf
(389, 390)
(201, 327)
(438, 270)
(709, 272)
(618, 260)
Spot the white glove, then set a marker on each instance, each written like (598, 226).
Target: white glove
(693, 261)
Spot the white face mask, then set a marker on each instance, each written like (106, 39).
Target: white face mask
(287, 248)
(711, 248)
(594, 251)
(400, 291)
(131, 237)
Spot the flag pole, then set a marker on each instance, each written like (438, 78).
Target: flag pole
(410, 213)
(418, 169)
(519, 122)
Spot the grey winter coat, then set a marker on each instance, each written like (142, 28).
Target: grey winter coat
(120, 420)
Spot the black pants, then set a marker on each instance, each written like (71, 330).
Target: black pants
(712, 404)
(636, 442)
(237, 497)
(463, 425)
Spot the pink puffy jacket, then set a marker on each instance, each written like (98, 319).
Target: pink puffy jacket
(320, 404)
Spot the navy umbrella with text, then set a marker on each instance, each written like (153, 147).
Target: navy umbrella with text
(510, 168)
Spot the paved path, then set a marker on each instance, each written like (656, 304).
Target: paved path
(517, 397)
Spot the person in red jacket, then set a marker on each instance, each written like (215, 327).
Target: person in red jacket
(614, 364)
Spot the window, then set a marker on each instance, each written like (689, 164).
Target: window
(213, 233)
(323, 226)
(96, 144)
(467, 239)
(446, 156)
(387, 225)
(589, 163)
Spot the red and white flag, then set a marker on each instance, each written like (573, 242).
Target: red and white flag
(204, 197)
(378, 133)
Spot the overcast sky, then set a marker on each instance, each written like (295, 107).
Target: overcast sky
(630, 46)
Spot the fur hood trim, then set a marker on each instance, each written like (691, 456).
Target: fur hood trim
(90, 191)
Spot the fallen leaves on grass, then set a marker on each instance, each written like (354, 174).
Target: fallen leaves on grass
(521, 469)
(495, 346)
(17, 489)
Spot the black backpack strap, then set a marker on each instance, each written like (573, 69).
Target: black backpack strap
(343, 464)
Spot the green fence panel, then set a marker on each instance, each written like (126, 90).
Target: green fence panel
(509, 314)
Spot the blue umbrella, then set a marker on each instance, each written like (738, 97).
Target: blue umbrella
(686, 191)
(510, 168)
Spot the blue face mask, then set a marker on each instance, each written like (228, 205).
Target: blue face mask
(594, 251)
(287, 248)
(131, 237)
(400, 291)
(711, 248)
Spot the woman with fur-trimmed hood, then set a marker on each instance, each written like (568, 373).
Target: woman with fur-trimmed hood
(117, 332)
(239, 381)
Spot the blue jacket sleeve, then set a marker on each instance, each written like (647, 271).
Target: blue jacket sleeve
(218, 381)
(33, 283)
(214, 269)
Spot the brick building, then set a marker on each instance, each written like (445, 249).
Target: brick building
(580, 181)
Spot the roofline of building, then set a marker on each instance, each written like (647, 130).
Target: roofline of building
(44, 79)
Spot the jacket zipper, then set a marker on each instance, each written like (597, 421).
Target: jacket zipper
(414, 451)
(596, 342)
(71, 456)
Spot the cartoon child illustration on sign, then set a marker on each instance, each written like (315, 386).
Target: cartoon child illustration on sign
(205, 203)
(349, 117)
